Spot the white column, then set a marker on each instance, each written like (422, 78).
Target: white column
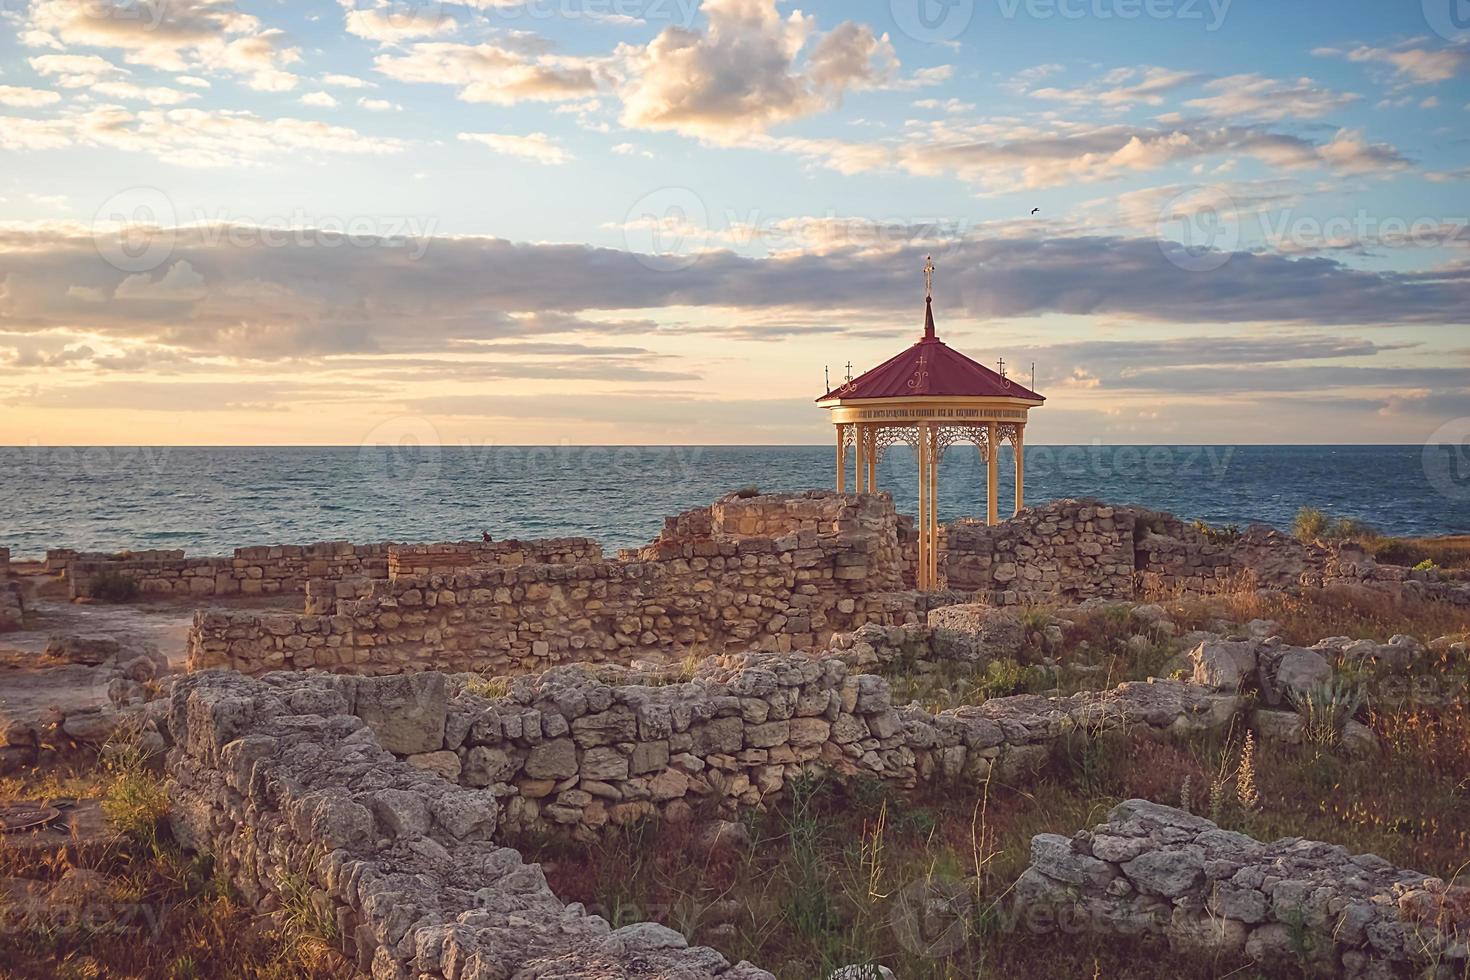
(841, 459)
(933, 508)
(992, 470)
(1019, 444)
(925, 544)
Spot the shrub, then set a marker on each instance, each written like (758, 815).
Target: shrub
(1229, 534)
(112, 587)
(1325, 708)
(490, 688)
(1315, 525)
(1311, 524)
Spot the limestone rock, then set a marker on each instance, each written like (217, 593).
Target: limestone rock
(444, 764)
(1277, 726)
(975, 633)
(406, 712)
(89, 650)
(1223, 664)
(1296, 672)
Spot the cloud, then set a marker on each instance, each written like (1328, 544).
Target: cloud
(180, 284)
(320, 100)
(301, 299)
(1006, 157)
(1112, 363)
(1124, 87)
(153, 94)
(20, 133)
(497, 74)
(1349, 153)
(173, 35)
(387, 22)
(379, 105)
(190, 137)
(346, 81)
(536, 146)
(631, 150)
(1416, 66)
(201, 396)
(746, 72)
(76, 70)
(27, 98)
(1307, 379)
(1270, 99)
(692, 418)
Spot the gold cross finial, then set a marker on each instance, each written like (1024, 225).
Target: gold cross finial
(929, 277)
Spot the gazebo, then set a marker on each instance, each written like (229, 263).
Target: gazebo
(930, 397)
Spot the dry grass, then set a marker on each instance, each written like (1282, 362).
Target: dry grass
(1449, 553)
(832, 873)
(1340, 610)
(163, 915)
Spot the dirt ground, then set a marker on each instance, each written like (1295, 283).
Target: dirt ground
(31, 683)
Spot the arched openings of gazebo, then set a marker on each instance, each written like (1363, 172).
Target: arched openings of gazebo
(930, 441)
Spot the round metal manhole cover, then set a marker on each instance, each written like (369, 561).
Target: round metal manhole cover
(21, 816)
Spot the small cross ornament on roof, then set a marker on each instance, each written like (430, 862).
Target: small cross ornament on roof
(929, 277)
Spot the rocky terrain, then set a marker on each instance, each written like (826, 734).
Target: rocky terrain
(438, 712)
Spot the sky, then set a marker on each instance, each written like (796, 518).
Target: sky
(498, 222)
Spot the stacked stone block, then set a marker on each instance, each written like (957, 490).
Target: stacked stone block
(1288, 905)
(704, 587)
(299, 802)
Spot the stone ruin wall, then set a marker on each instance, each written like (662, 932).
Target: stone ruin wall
(292, 794)
(264, 570)
(380, 800)
(408, 560)
(774, 573)
(12, 601)
(364, 795)
(1082, 549)
(287, 569)
(574, 750)
(762, 573)
(1289, 905)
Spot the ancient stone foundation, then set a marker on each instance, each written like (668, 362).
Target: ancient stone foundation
(1082, 549)
(1287, 905)
(300, 804)
(287, 569)
(377, 801)
(12, 599)
(280, 569)
(764, 573)
(750, 573)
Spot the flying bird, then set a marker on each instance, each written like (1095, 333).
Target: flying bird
(1034, 210)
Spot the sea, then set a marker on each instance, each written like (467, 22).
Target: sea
(209, 501)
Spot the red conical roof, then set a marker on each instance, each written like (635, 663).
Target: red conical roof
(931, 367)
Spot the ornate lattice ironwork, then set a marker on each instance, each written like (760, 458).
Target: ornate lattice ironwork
(949, 435)
(1009, 432)
(849, 434)
(887, 436)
